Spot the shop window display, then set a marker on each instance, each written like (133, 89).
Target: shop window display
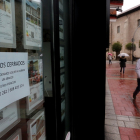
(21, 33)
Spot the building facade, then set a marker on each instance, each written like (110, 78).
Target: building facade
(123, 30)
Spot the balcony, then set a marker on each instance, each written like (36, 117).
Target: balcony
(116, 2)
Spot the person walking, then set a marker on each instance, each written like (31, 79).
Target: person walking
(122, 63)
(137, 69)
(110, 58)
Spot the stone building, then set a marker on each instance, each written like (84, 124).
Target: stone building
(123, 30)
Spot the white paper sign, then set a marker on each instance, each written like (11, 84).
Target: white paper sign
(14, 83)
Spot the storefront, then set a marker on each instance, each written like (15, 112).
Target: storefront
(45, 69)
(34, 70)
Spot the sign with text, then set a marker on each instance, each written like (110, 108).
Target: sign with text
(7, 24)
(16, 135)
(36, 127)
(35, 74)
(9, 117)
(32, 24)
(14, 83)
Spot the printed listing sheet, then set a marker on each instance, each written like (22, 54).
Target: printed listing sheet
(7, 23)
(32, 23)
(35, 71)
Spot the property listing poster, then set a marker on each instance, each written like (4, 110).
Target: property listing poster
(8, 115)
(35, 71)
(61, 56)
(62, 110)
(62, 83)
(37, 128)
(6, 27)
(16, 135)
(61, 28)
(16, 138)
(33, 23)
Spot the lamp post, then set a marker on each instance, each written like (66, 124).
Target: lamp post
(133, 43)
(132, 49)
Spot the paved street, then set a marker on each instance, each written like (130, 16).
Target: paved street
(122, 116)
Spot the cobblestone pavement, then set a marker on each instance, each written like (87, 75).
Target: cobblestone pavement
(122, 116)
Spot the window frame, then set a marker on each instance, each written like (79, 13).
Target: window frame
(118, 29)
(138, 22)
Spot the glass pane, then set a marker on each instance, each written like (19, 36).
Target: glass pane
(25, 69)
(64, 64)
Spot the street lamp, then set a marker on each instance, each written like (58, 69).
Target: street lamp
(133, 43)
(118, 9)
(132, 49)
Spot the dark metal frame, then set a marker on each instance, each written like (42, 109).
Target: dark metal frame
(52, 105)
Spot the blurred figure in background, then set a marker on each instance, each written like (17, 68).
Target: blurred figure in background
(110, 58)
(122, 63)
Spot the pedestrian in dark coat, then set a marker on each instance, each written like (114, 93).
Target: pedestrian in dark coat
(137, 69)
(122, 63)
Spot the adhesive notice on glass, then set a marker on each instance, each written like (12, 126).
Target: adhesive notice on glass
(14, 83)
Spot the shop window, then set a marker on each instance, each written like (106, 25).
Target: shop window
(23, 48)
(118, 29)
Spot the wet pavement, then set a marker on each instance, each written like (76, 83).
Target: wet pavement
(122, 115)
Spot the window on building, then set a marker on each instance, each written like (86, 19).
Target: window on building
(118, 29)
(138, 22)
